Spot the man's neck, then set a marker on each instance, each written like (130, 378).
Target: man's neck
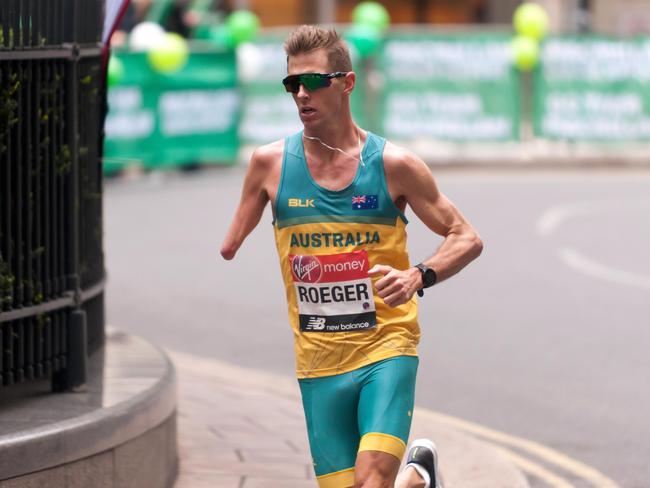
(344, 136)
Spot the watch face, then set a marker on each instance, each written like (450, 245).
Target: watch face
(429, 277)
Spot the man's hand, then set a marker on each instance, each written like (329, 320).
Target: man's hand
(396, 287)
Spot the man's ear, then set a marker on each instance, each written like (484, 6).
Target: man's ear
(350, 81)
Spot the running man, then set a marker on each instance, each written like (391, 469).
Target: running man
(338, 195)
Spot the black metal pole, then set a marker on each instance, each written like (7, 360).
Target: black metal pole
(74, 375)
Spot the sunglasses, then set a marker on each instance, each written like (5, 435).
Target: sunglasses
(311, 81)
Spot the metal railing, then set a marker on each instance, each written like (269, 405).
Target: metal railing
(51, 257)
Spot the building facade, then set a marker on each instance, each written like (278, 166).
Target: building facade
(617, 17)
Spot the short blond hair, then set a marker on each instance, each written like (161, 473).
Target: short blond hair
(308, 38)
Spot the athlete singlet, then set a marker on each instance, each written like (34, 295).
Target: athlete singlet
(327, 241)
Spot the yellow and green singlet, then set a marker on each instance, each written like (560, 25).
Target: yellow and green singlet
(326, 242)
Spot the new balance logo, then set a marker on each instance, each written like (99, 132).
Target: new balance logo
(316, 323)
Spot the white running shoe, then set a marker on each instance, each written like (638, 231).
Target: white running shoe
(423, 457)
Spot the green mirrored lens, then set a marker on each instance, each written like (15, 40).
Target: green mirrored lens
(314, 81)
(291, 84)
(311, 81)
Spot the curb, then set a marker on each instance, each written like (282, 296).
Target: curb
(125, 419)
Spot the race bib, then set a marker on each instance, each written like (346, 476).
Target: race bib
(334, 292)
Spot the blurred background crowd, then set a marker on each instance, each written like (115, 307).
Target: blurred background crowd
(198, 81)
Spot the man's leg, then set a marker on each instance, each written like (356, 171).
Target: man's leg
(375, 469)
(330, 405)
(385, 411)
(379, 469)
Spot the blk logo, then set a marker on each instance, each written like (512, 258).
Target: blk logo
(302, 203)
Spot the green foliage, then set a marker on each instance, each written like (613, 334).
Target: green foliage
(7, 280)
(8, 109)
(28, 286)
(63, 160)
(43, 319)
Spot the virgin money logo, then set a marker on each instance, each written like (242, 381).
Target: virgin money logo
(306, 269)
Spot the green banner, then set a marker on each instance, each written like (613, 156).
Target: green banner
(450, 87)
(269, 112)
(188, 117)
(593, 89)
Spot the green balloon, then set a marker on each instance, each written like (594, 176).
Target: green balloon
(170, 54)
(525, 52)
(115, 70)
(531, 20)
(366, 40)
(243, 26)
(221, 37)
(371, 14)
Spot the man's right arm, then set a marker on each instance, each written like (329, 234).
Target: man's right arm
(261, 175)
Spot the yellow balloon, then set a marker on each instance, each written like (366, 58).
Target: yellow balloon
(531, 20)
(169, 54)
(525, 52)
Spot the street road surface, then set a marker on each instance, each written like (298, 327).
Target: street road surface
(546, 337)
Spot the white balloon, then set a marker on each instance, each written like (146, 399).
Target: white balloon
(145, 35)
(249, 62)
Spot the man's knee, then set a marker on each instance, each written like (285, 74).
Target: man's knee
(375, 480)
(375, 469)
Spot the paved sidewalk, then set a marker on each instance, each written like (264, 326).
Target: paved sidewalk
(242, 428)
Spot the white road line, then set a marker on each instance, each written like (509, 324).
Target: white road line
(593, 476)
(552, 218)
(577, 261)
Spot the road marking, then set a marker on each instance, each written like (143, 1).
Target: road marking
(549, 455)
(554, 217)
(577, 261)
(533, 469)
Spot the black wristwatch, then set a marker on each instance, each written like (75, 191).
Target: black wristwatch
(429, 278)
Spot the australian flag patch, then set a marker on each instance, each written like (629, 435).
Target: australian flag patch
(365, 202)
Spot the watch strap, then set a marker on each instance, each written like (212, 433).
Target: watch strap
(424, 270)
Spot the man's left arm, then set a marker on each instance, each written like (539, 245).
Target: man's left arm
(410, 178)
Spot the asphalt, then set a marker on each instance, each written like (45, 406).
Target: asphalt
(532, 321)
(244, 428)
